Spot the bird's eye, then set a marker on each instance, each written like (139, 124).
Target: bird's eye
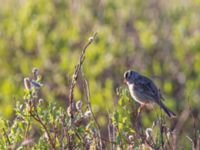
(129, 74)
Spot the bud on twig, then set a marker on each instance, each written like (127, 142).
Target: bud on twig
(130, 137)
(88, 114)
(36, 84)
(35, 72)
(79, 105)
(41, 100)
(148, 133)
(91, 39)
(71, 109)
(27, 83)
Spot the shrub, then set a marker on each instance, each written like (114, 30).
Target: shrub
(40, 124)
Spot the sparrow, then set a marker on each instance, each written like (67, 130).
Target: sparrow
(144, 91)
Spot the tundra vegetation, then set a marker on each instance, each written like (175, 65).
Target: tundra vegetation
(61, 90)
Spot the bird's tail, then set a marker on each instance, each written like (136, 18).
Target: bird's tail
(167, 110)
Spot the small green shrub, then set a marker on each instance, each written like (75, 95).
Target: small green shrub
(41, 124)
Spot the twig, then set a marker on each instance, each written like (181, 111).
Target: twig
(168, 142)
(90, 108)
(27, 128)
(63, 133)
(73, 83)
(38, 119)
(33, 113)
(76, 72)
(113, 136)
(182, 119)
(7, 138)
(109, 132)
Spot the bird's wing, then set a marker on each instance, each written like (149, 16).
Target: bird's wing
(147, 86)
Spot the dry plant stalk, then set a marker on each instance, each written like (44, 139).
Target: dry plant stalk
(77, 70)
(90, 108)
(34, 114)
(39, 120)
(73, 84)
(182, 119)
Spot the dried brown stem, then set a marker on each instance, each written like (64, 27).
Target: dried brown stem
(182, 119)
(76, 72)
(90, 108)
(73, 83)
(109, 130)
(39, 120)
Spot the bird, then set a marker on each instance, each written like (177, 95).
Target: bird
(143, 90)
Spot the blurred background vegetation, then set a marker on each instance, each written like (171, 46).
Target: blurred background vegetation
(160, 39)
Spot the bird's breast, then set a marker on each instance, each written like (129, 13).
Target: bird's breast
(133, 95)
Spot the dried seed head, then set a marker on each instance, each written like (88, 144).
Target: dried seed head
(27, 83)
(79, 105)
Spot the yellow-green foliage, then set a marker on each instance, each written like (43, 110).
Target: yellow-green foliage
(157, 38)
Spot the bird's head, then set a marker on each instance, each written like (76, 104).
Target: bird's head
(130, 76)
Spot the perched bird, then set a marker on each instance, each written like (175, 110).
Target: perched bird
(144, 91)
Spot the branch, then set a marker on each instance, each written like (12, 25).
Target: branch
(74, 81)
(7, 138)
(90, 108)
(38, 119)
(76, 71)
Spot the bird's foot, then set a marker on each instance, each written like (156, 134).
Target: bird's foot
(140, 109)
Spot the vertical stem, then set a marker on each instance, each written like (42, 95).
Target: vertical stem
(90, 108)
(73, 83)
(7, 138)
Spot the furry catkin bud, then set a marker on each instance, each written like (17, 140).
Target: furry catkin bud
(27, 83)
(91, 39)
(81, 121)
(79, 105)
(148, 132)
(88, 114)
(41, 100)
(130, 137)
(35, 72)
(35, 84)
(71, 109)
